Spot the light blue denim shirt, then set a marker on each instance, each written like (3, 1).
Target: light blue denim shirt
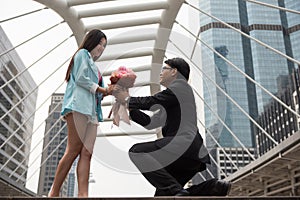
(81, 95)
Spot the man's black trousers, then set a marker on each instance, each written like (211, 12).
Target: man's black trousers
(167, 177)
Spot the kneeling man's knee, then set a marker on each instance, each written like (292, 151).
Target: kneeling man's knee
(136, 148)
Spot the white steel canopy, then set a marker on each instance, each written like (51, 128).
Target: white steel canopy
(153, 18)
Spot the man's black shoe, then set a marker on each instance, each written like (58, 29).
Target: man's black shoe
(222, 188)
(183, 192)
(212, 187)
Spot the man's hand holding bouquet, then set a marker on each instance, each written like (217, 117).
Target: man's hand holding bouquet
(123, 79)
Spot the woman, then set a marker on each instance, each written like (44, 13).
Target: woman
(82, 110)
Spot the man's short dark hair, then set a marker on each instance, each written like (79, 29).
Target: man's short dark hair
(181, 65)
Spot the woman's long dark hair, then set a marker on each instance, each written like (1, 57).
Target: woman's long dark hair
(90, 41)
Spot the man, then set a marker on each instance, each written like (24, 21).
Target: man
(168, 163)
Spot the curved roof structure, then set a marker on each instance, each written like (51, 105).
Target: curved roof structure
(152, 21)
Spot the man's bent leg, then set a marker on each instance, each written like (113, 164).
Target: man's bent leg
(141, 155)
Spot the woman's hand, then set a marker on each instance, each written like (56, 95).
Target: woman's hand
(109, 89)
(106, 91)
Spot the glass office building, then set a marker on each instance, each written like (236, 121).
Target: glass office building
(294, 27)
(17, 110)
(54, 146)
(278, 29)
(229, 44)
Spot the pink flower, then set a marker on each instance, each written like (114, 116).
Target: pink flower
(123, 76)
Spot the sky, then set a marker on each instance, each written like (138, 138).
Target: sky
(112, 171)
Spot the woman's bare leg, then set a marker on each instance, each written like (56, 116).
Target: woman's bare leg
(73, 149)
(83, 167)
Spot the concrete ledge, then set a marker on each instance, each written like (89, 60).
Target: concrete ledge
(11, 188)
(276, 173)
(158, 198)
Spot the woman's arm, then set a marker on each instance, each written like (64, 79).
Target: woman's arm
(103, 90)
(84, 71)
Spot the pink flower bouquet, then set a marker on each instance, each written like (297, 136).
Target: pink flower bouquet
(125, 78)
